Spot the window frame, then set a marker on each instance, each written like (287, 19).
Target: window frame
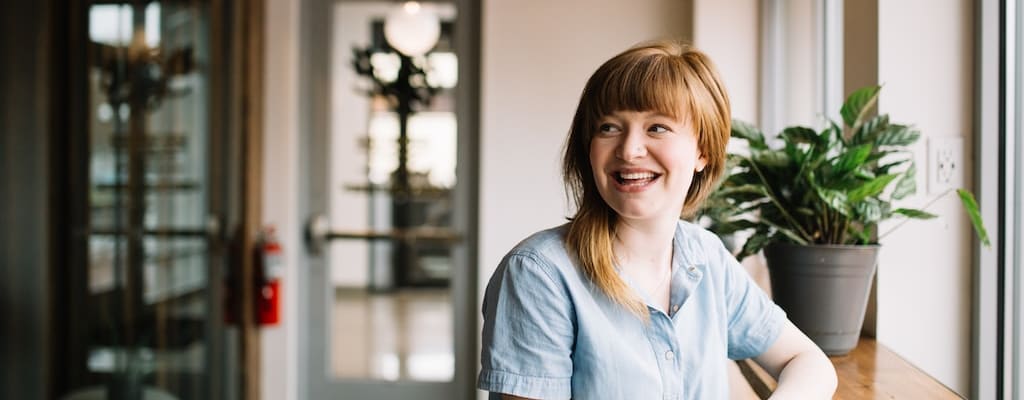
(998, 282)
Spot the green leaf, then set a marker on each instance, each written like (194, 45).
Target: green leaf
(754, 244)
(751, 207)
(858, 104)
(793, 236)
(748, 132)
(870, 188)
(884, 169)
(870, 130)
(973, 211)
(913, 213)
(800, 134)
(729, 227)
(898, 135)
(850, 160)
(739, 198)
(770, 158)
(846, 184)
(863, 235)
(741, 178)
(880, 154)
(835, 200)
(833, 135)
(907, 184)
(772, 215)
(727, 191)
(864, 173)
(870, 210)
(798, 152)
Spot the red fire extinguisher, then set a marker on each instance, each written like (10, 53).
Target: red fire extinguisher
(271, 263)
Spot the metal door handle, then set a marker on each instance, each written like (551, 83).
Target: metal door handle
(319, 232)
(317, 229)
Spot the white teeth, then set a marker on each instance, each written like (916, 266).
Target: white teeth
(636, 175)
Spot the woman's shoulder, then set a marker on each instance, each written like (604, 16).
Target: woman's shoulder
(695, 230)
(699, 245)
(543, 249)
(545, 242)
(700, 235)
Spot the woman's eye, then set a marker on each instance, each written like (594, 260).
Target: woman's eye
(658, 128)
(608, 128)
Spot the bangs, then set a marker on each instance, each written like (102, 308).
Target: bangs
(652, 83)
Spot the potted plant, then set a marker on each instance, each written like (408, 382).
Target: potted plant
(812, 200)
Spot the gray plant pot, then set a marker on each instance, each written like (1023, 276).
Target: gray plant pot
(823, 289)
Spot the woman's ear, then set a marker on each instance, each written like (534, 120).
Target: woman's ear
(702, 162)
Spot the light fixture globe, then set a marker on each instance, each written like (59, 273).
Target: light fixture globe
(411, 29)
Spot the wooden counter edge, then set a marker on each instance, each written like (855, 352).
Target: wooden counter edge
(871, 370)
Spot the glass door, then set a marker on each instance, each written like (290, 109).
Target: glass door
(390, 282)
(145, 283)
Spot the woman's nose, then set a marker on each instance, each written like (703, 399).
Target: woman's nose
(632, 146)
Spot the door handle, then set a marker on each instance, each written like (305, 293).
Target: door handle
(319, 232)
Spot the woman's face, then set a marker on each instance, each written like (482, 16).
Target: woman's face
(643, 163)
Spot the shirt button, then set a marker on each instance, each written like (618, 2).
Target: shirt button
(692, 268)
(675, 307)
(668, 355)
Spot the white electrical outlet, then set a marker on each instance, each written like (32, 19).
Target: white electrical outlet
(945, 169)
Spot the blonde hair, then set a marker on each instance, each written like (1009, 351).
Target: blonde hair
(668, 77)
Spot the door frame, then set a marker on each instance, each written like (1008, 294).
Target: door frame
(314, 106)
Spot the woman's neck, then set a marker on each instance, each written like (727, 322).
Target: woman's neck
(644, 252)
(645, 245)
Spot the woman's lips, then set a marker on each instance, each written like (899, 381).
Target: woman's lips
(632, 181)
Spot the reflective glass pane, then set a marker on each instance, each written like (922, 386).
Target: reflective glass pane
(393, 136)
(146, 333)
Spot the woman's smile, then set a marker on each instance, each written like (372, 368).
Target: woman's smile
(634, 180)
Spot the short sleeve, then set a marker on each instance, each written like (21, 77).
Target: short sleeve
(528, 332)
(755, 321)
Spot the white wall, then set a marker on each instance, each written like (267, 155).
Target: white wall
(279, 344)
(924, 277)
(801, 69)
(729, 31)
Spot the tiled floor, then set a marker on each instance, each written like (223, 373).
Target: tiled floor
(402, 335)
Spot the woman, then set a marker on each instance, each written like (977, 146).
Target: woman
(627, 301)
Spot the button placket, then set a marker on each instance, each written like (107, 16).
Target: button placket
(662, 335)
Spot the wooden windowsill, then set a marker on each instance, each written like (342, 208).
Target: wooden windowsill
(870, 371)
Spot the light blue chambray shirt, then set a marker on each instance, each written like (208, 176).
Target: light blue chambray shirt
(549, 333)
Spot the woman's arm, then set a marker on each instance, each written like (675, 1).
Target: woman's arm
(802, 369)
